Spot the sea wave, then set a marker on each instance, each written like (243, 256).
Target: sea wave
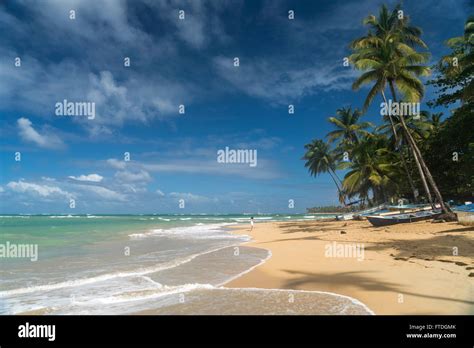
(104, 277)
(147, 294)
(65, 216)
(198, 231)
(15, 216)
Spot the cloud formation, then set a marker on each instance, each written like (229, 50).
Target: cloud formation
(272, 81)
(46, 140)
(22, 186)
(133, 176)
(89, 177)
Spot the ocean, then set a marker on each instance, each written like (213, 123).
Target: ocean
(127, 264)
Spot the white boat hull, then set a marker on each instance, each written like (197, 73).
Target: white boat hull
(465, 218)
(351, 216)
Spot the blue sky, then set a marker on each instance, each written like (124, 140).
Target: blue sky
(180, 62)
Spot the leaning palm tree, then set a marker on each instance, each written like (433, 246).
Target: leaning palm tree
(385, 65)
(421, 126)
(376, 58)
(412, 89)
(383, 26)
(348, 128)
(320, 159)
(388, 57)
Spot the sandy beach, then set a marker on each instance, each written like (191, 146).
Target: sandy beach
(418, 268)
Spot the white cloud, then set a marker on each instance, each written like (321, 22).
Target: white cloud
(90, 177)
(190, 197)
(191, 30)
(109, 16)
(87, 190)
(159, 193)
(272, 81)
(29, 134)
(202, 24)
(117, 103)
(133, 188)
(114, 163)
(147, 94)
(128, 176)
(41, 190)
(103, 192)
(265, 169)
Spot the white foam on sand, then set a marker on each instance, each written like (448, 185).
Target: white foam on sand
(105, 277)
(351, 299)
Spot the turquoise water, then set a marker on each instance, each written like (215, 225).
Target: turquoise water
(60, 234)
(119, 264)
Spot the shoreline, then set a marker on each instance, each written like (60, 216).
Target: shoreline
(407, 268)
(233, 229)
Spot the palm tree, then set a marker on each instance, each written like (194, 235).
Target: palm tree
(421, 126)
(348, 129)
(373, 168)
(388, 38)
(378, 44)
(320, 159)
(435, 120)
(429, 124)
(377, 59)
(388, 56)
(417, 153)
(386, 23)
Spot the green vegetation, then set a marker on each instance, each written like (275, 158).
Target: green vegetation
(408, 150)
(330, 209)
(455, 136)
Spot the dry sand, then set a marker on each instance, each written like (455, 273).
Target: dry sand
(406, 269)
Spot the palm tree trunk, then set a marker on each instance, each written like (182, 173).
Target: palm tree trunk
(338, 179)
(417, 160)
(394, 131)
(422, 174)
(404, 163)
(419, 157)
(382, 195)
(332, 173)
(410, 179)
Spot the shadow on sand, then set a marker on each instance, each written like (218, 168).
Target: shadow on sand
(360, 279)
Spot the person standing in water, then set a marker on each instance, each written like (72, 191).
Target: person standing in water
(251, 223)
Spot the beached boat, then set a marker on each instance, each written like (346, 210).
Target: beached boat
(385, 220)
(350, 216)
(465, 214)
(410, 208)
